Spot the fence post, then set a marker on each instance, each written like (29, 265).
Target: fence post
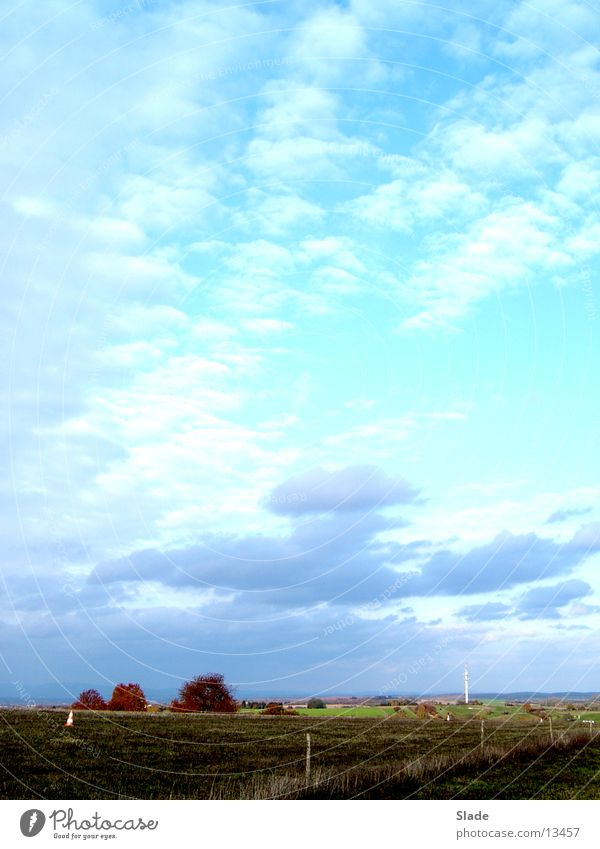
(482, 735)
(307, 758)
(551, 731)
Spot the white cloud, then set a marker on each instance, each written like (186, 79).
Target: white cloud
(168, 202)
(424, 194)
(504, 250)
(340, 250)
(120, 231)
(138, 354)
(301, 157)
(383, 436)
(325, 45)
(266, 325)
(156, 274)
(152, 319)
(585, 243)
(523, 148)
(555, 27)
(330, 279)
(298, 111)
(278, 214)
(360, 404)
(580, 180)
(36, 207)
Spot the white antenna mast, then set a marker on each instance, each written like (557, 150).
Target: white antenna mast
(466, 686)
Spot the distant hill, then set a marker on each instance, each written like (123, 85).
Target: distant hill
(51, 693)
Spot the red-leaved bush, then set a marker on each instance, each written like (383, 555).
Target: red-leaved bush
(205, 693)
(89, 700)
(127, 697)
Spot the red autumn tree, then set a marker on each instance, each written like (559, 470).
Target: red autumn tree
(89, 700)
(205, 693)
(127, 697)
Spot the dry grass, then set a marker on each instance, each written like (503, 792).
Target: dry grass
(406, 776)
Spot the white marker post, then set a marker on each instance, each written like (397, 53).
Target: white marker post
(308, 758)
(69, 721)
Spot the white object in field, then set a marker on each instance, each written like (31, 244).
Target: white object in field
(448, 717)
(466, 686)
(69, 718)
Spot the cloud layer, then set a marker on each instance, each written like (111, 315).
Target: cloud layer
(299, 339)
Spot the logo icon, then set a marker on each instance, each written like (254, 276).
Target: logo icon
(32, 822)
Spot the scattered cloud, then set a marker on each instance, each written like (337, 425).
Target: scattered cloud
(566, 513)
(489, 611)
(545, 602)
(505, 562)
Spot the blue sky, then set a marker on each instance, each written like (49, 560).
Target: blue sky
(301, 344)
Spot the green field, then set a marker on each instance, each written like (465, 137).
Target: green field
(352, 711)
(113, 755)
(333, 711)
(589, 714)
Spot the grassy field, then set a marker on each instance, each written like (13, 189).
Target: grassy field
(112, 755)
(334, 711)
(374, 711)
(352, 711)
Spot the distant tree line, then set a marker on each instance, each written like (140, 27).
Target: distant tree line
(203, 694)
